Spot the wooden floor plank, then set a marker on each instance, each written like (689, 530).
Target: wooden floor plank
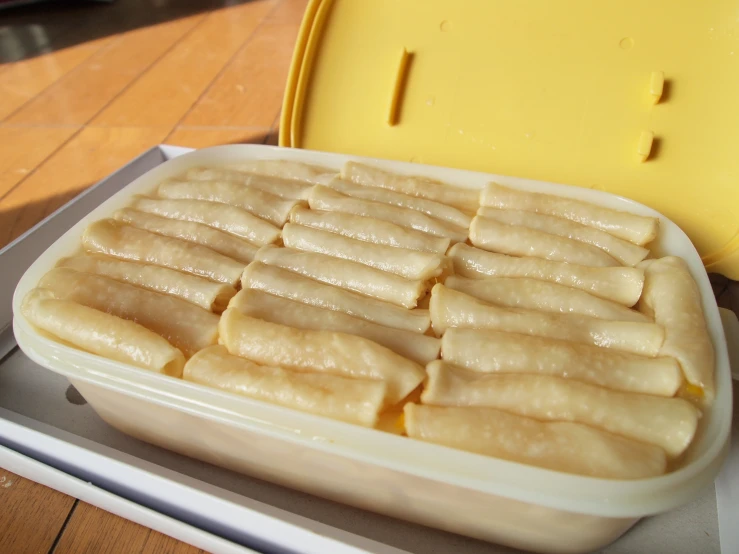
(202, 137)
(249, 91)
(290, 11)
(24, 148)
(31, 515)
(88, 157)
(93, 530)
(25, 79)
(79, 96)
(164, 94)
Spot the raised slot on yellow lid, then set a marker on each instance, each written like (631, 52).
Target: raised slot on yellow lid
(656, 86)
(398, 86)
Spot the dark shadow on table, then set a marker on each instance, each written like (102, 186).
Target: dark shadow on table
(39, 28)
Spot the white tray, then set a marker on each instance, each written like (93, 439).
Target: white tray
(37, 419)
(46, 475)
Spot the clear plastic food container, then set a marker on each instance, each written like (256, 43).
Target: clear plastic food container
(486, 498)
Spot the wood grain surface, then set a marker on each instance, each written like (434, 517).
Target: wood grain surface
(84, 88)
(31, 516)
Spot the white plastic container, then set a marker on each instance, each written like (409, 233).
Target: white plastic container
(485, 498)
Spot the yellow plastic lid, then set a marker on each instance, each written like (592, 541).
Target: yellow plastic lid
(637, 98)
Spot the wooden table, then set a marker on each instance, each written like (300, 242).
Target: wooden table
(117, 80)
(84, 89)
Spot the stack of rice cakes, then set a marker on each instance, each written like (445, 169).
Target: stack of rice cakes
(500, 322)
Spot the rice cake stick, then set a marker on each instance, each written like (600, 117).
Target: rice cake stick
(450, 308)
(101, 333)
(197, 233)
(346, 274)
(672, 297)
(325, 198)
(620, 284)
(487, 351)
(409, 264)
(273, 185)
(324, 351)
(257, 202)
(637, 229)
(287, 169)
(491, 235)
(294, 286)
(369, 229)
(230, 219)
(431, 208)
(256, 303)
(201, 292)
(532, 294)
(420, 187)
(669, 423)
(184, 325)
(560, 446)
(123, 241)
(352, 400)
(622, 250)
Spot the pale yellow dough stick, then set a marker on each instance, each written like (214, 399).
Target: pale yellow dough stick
(409, 264)
(197, 233)
(184, 325)
(225, 217)
(294, 286)
(325, 198)
(287, 169)
(672, 297)
(431, 208)
(197, 290)
(532, 294)
(262, 204)
(422, 187)
(369, 229)
(352, 400)
(669, 423)
(450, 308)
(487, 351)
(126, 242)
(275, 309)
(346, 274)
(324, 351)
(560, 446)
(101, 333)
(620, 284)
(638, 229)
(273, 185)
(622, 250)
(494, 236)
